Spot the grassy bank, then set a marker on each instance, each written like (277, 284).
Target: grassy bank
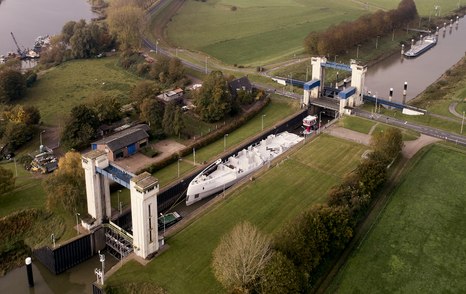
(417, 243)
(61, 88)
(300, 180)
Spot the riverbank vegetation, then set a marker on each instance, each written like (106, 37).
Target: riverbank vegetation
(337, 39)
(418, 235)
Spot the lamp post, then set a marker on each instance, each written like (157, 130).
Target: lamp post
(40, 136)
(100, 273)
(263, 121)
(77, 222)
(178, 162)
(225, 142)
(462, 123)
(206, 64)
(118, 199)
(336, 81)
(156, 47)
(377, 42)
(335, 59)
(357, 50)
(320, 119)
(163, 219)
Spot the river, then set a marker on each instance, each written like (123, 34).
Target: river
(74, 281)
(28, 19)
(421, 71)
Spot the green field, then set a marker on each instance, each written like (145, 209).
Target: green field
(262, 31)
(61, 88)
(282, 192)
(418, 243)
(365, 126)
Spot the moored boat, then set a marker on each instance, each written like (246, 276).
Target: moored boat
(222, 174)
(421, 46)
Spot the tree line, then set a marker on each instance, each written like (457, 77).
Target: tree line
(338, 38)
(247, 261)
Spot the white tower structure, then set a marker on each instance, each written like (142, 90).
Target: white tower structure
(317, 75)
(358, 77)
(97, 186)
(144, 189)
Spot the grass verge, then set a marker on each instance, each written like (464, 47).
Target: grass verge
(298, 181)
(417, 242)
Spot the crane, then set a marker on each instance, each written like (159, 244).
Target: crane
(21, 53)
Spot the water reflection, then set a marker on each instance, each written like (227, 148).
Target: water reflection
(421, 71)
(74, 281)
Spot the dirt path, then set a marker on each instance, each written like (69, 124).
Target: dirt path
(452, 109)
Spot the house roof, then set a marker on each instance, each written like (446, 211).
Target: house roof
(124, 138)
(242, 83)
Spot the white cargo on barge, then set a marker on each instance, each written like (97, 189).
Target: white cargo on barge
(222, 174)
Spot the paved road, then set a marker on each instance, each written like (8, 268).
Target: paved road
(444, 135)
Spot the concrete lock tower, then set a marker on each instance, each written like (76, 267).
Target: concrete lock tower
(358, 77)
(97, 186)
(144, 189)
(312, 88)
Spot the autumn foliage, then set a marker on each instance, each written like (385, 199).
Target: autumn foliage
(337, 39)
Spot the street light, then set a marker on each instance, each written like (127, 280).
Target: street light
(377, 42)
(40, 137)
(320, 119)
(225, 142)
(118, 199)
(206, 64)
(77, 222)
(100, 273)
(462, 123)
(156, 47)
(263, 121)
(357, 50)
(335, 59)
(163, 220)
(178, 162)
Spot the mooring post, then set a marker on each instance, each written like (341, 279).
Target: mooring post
(28, 262)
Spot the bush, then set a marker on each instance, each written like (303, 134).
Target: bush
(149, 151)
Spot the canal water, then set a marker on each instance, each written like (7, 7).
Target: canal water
(74, 281)
(28, 19)
(421, 71)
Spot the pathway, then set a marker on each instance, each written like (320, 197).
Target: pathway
(452, 109)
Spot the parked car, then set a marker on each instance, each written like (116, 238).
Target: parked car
(168, 219)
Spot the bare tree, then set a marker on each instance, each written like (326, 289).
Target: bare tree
(240, 258)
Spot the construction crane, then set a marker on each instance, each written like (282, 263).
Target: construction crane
(20, 53)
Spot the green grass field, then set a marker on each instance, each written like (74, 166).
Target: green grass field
(61, 88)
(275, 111)
(417, 245)
(263, 31)
(279, 194)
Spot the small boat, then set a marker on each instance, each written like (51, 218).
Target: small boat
(222, 174)
(421, 46)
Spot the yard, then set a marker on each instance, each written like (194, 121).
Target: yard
(417, 244)
(280, 193)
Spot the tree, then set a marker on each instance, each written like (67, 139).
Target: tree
(64, 188)
(12, 85)
(16, 134)
(127, 22)
(7, 180)
(28, 115)
(240, 258)
(144, 90)
(178, 123)
(80, 128)
(389, 142)
(213, 99)
(169, 118)
(152, 112)
(106, 108)
(280, 276)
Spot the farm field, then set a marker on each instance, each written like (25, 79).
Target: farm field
(417, 245)
(280, 193)
(260, 32)
(61, 88)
